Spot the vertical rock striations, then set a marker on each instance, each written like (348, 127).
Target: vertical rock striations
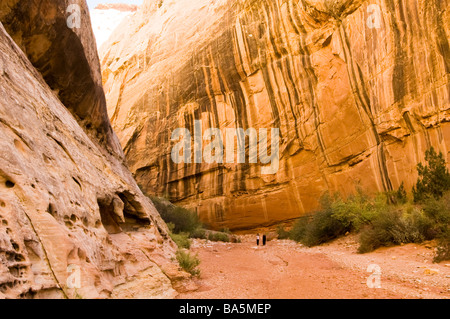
(359, 90)
(73, 222)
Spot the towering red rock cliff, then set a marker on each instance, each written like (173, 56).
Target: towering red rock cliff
(73, 222)
(359, 90)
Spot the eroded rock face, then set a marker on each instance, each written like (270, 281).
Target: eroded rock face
(358, 91)
(73, 222)
(66, 57)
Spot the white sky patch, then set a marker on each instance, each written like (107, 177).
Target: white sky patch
(104, 22)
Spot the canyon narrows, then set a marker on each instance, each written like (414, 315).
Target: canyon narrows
(357, 94)
(240, 112)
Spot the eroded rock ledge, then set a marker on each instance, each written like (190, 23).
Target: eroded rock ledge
(67, 202)
(66, 57)
(355, 104)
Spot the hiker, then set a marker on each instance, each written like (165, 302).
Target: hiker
(264, 239)
(257, 239)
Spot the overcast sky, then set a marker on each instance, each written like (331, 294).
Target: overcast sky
(93, 3)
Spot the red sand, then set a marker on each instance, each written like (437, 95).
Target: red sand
(284, 269)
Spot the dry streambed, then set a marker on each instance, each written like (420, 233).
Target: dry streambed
(285, 269)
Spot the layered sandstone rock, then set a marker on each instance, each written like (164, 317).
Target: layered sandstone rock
(73, 222)
(359, 90)
(66, 57)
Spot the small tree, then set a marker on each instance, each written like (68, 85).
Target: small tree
(400, 195)
(434, 178)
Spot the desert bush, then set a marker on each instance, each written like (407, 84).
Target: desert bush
(184, 224)
(443, 248)
(219, 236)
(283, 233)
(401, 196)
(171, 227)
(183, 219)
(379, 220)
(299, 228)
(199, 233)
(387, 219)
(357, 210)
(438, 209)
(336, 217)
(410, 223)
(188, 262)
(395, 226)
(397, 197)
(225, 230)
(434, 177)
(322, 228)
(181, 239)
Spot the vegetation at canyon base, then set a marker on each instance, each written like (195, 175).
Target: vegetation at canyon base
(188, 262)
(387, 219)
(184, 225)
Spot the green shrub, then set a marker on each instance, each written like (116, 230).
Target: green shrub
(381, 232)
(438, 209)
(171, 226)
(188, 262)
(397, 197)
(380, 220)
(299, 229)
(425, 226)
(336, 217)
(199, 233)
(218, 236)
(322, 228)
(183, 219)
(401, 195)
(181, 239)
(357, 210)
(434, 178)
(283, 233)
(443, 248)
(393, 227)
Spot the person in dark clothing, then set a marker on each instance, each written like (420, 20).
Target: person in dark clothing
(257, 239)
(264, 240)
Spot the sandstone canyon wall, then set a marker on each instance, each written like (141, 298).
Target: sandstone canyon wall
(73, 222)
(359, 90)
